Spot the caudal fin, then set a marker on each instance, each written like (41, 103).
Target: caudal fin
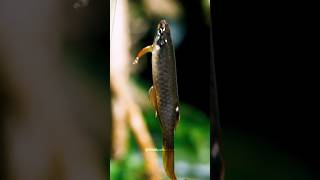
(168, 156)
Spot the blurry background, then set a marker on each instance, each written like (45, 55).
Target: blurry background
(266, 132)
(189, 23)
(54, 85)
(265, 73)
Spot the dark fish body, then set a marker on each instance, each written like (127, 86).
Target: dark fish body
(164, 92)
(166, 89)
(165, 79)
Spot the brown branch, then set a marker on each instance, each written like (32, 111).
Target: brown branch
(119, 129)
(139, 129)
(122, 89)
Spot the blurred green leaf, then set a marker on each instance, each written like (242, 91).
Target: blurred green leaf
(192, 140)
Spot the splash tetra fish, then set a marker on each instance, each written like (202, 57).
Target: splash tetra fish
(163, 94)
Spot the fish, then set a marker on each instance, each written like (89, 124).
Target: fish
(163, 94)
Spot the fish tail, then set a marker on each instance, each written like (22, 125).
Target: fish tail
(168, 156)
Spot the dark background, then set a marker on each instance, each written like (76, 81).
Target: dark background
(266, 76)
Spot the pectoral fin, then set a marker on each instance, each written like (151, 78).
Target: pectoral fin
(142, 52)
(153, 99)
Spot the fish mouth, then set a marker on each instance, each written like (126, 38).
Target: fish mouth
(163, 22)
(163, 26)
(163, 33)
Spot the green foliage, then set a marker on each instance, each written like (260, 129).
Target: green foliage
(192, 142)
(130, 168)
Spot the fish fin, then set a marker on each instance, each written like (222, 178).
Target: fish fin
(153, 99)
(168, 156)
(168, 163)
(142, 52)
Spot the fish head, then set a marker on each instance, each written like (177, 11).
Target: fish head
(163, 33)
